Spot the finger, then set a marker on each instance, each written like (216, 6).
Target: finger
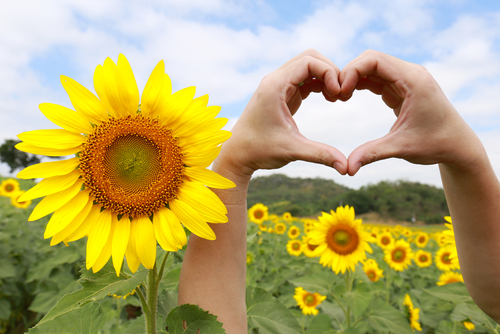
(375, 150)
(311, 53)
(320, 153)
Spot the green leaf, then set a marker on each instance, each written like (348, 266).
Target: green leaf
(136, 326)
(453, 292)
(384, 318)
(46, 299)
(359, 299)
(42, 269)
(267, 314)
(94, 287)
(251, 237)
(333, 310)
(170, 280)
(86, 320)
(196, 319)
(321, 282)
(464, 311)
(321, 323)
(8, 269)
(4, 309)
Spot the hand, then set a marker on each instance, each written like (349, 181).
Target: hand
(266, 136)
(427, 130)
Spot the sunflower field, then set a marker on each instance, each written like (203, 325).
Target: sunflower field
(328, 274)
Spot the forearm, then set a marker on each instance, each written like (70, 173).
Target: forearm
(213, 274)
(473, 196)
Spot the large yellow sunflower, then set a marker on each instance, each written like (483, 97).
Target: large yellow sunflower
(308, 301)
(258, 213)
(398, 255)
(341, 240)
(139, 171)
(423, 258)
(9, 187)
(412, 314)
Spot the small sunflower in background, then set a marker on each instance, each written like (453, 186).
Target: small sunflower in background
(423, 259)
(293, 232)
(279, 228)
(448, 239)
(412, 314)
(263, 227)
(307, 301)
(274, 218)
(422, 239)
(307, 248)
(294, 247)
(9, 187)
(469, 325)
(385, 239)
(14, 199)
(444, 260)
(139, 171)
(341, 240)
(372, 270)
(287, 216)
(258, 213)
(398, 255)
(406, 232)
(249, 258)
(450, 277)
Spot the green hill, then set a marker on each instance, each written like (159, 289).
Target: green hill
(303, 197)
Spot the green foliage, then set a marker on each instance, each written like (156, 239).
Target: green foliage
(398, 200)
(197, 321)
(15, 158)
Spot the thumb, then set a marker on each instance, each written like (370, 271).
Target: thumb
(375, 150)
(320, 153)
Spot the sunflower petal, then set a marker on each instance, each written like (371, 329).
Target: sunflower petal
(66, 214)
(73, 225)
(98, 237)
(86, 225)
(208, 178)
(51, 152)
(129, 93)
(211, 140)
(99, 86)
(208, 205)
(84, 101)
(201, 123)
(146, 242)
(53, 202)
(195, 111)
(201, 158)
(152, 96)
(49, 169)
(55, 138)
(176, 104)
(66, 118)
(168, 230)
(121, 233)
(51, 185)
(190, 218)
(133, 261)
(105, 254)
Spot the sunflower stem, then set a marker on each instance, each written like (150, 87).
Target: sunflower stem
(348, 287)
(160, 273)
(152, 301)
(388, 284)
(145, 307)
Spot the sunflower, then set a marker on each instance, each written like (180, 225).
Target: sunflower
(279, 228)
(412, 314)
(308, 301)
(21, 205)
(443, 259)
(422, 239)
(398, 255)
(372, 270)
(307, 248)
(9, 187)
(258, 213)
(469, 325)
(263, 227)
(448, 239)
(293, 232)
(249, 258)
(294, 247)
(274, 218)
(450, 277)
(385, 239)
(423, 259)
(139, 171)
(342, 242)
(287, 216)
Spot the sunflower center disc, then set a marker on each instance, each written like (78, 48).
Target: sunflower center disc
(258, 214)
(423, 258)
(446, 258)
(342, 239)
(9, 187)
(398, 255)
(296, 246)
(385, 241)
(310, 300)
(131, 165)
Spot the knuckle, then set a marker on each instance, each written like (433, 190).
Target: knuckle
(322, 157)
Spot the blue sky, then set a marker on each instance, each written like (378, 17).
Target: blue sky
(226, 47)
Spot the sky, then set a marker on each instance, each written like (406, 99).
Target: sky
(225, 48)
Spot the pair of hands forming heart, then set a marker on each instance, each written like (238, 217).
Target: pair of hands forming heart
(427, 129)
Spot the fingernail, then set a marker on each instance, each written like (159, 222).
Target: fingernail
(356, 168)
(338, 166)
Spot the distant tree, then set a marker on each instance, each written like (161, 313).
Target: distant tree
(15, 158)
